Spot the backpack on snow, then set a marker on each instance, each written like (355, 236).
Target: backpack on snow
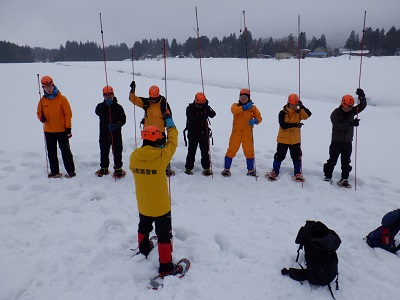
(383, 236)
(320, 244)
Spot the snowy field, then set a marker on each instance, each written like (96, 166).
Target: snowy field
(70, 238)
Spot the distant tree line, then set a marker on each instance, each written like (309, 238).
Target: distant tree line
(376, 41)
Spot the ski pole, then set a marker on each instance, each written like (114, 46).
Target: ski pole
(44, 133)
(109, 107)
(134, 107)
(298, 47)
(248, 84)
(359, 84)
(202, 85)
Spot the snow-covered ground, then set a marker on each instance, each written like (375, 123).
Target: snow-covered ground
(70, 238)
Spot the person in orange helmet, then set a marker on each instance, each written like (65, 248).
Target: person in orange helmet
(155, 107)
(344, 119)
(197, 125)
(245, 116)
(55, 113)
(289, 138)
(148, 164)
(111, 119)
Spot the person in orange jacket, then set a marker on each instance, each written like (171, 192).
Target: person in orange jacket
(289, 137)
(155, 107)
(245, 116)
(55, 113)
(148, 165)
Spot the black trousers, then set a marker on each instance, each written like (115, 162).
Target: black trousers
(281, 151)
(105, 145)
(195, 140)
(52, 138)
(163, 226)
(336, 149)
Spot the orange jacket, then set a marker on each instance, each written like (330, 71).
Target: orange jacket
(241, 119)
(148, 166)
(153, 113)
(288, 134)
(57, 112)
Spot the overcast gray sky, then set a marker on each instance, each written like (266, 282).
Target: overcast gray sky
(51, 23)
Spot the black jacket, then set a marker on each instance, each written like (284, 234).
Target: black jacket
(342, 122)
(117, 117)
(197, 118)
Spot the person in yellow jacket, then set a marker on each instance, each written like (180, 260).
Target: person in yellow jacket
(245, 116)
(148, 165)
(154, 108)
(55, 113)
(289, 137)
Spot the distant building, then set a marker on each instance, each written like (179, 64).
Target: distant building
(321, 54)
(283, 55)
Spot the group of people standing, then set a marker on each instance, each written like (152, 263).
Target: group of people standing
(150, 164)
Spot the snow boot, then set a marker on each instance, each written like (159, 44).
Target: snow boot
(226, 173)
(102, 171)
(207, 172)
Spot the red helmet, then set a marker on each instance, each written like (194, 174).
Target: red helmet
(293, 99)
(245, 92)
(151, 133)
(154, 91)
(200, 98)
(47, 81)
(347, 101)
(108, 90)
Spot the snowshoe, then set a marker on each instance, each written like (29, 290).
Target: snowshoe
(188, 171)
(54, 175)
(298, 177)
(327, 179)
(251, 173)
(226, 173)
(153, 243)
(119, 173)
(180, 269)
(271, 176)
(344, 183)
(207, 172)
(101, 172)
(70, 175)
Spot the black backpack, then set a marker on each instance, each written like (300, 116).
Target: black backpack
(383, 236)
(320, 244)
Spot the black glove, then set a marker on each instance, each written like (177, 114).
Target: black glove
(42, 118)
(356, 122)
(285, 271)
(300, 104)
(298, 125)
(68, 132)
(360, 93)
(166, 116)
(133, 86)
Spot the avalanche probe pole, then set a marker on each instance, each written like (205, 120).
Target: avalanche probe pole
(134, 106)
(298, 55)
(105, 71)
(202, 86)
(359, 84)
(44, 134)
(248, 84)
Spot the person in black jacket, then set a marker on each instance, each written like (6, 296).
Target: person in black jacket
(343, 123)
(197, 114)
(112, 118)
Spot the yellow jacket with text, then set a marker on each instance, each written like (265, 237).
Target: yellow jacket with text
(148, 166)
(288, 118)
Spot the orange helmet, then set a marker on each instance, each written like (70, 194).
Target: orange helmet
(108, 90)
(151, 133)
(245, 92)
(200, 98)
(47, 81)
(347, 101)
(293, 99)
(154, 91)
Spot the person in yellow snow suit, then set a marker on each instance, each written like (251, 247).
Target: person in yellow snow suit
(289, 137)
(155, 106)
(148, 165)
(55, 113)
(245, 116)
